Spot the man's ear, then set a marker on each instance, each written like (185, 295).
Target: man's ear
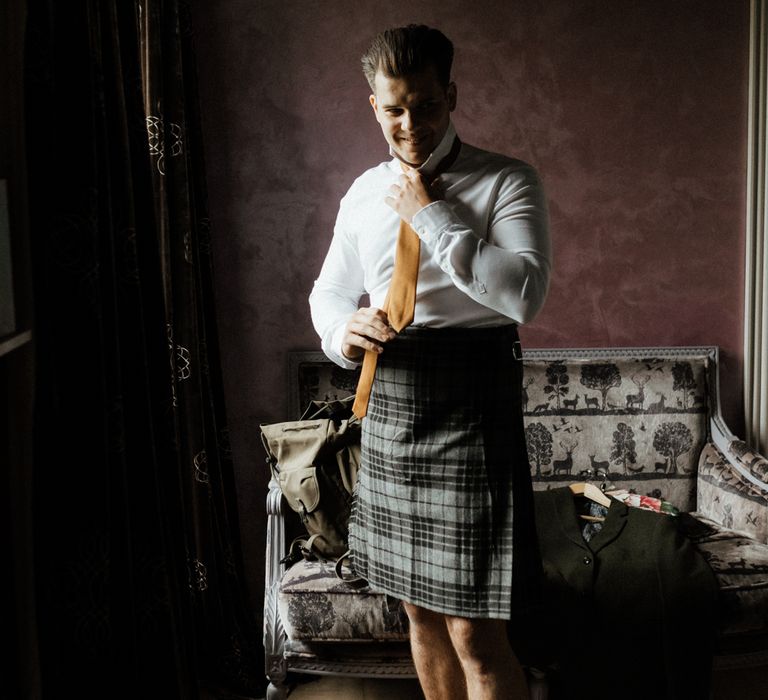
(374, 106)
(451, 94)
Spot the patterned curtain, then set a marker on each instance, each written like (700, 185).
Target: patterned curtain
(139, 580)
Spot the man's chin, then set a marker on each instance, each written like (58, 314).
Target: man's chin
(411, 157)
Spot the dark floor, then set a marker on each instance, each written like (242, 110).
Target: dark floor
(749, 684)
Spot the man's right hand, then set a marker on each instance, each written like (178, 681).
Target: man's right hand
(367, 329)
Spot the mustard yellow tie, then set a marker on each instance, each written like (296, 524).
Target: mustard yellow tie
(399, 305)
(400, 302)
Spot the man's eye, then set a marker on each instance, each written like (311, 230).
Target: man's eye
(394, 112)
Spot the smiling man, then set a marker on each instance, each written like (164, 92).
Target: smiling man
(414, 112)
(443, 514)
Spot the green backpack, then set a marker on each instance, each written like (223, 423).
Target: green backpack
(315, 461)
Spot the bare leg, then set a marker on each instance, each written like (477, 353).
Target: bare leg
(490, 666)
(440, 674)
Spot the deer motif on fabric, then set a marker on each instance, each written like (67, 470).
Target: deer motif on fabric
(637, 400)
(565, 465)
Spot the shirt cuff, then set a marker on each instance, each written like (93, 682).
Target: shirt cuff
(430, 221)
(333, 348)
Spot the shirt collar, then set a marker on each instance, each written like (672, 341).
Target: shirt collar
(442, 150)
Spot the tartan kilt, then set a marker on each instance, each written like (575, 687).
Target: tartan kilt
(443, 509)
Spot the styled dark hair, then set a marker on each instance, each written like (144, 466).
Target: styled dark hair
(407, 50)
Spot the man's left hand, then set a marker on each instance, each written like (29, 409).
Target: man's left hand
(411, 194)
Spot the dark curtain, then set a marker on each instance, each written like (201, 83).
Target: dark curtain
(140, 589)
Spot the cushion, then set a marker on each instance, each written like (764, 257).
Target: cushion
(316, 606)
(740, 564)
(727, 496)
(643, 421)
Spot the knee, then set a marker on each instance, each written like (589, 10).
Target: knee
(423, 621)
(420, 616)
(481, 645)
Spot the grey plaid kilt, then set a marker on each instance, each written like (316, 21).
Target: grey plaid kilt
(443, 509)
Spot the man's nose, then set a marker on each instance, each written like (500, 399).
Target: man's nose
(407, 121)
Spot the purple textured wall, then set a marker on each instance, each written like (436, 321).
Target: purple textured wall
(633, 112)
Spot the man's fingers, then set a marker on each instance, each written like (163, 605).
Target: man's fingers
(371, 312)
(414, 176)
(355, 345)
(376, 330)
(361, 341)
(366, 330)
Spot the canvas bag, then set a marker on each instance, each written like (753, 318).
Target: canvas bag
(315, 461)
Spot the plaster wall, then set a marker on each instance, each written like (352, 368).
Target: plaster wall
(633, 112)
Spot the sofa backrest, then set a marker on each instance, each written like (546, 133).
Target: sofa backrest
(636, 418)
(641, 415)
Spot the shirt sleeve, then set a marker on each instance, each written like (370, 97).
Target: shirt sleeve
(508, 270)
(336, 294)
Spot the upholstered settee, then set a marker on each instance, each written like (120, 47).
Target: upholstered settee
(645, 420)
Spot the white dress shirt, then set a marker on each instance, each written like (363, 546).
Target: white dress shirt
(485, 249)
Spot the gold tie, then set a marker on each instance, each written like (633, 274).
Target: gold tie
(400, 302)
(399, 305)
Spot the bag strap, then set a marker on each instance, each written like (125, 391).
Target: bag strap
(304, 548)
(271, 461)
(301, 548)
(354, 581)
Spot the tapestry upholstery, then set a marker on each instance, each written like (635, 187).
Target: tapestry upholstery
(729, 497)
(740, 564)
(315, 605)
(640, 422)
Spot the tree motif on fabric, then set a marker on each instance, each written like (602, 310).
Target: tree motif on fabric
(684, 381)
(624, 446)
(601, 377)
(394, 615)
(311, 613)
(672, 440)
(357, 619)
(539, 441)
(557, 378)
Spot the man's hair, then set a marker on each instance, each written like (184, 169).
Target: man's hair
(407, 50)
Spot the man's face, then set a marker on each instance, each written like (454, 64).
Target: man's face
(413, 112)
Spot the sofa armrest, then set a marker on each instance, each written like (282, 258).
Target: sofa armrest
(732, 489)
(750, 462)
(276, 545)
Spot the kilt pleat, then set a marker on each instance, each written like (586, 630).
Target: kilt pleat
(443, 509)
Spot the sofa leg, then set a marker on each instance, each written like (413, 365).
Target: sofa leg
(277, 691)
(537, 685)
(274, 644)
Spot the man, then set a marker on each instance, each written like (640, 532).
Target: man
(443, 515)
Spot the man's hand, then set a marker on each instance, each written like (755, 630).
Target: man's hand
(367, 329)
(411, 194)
